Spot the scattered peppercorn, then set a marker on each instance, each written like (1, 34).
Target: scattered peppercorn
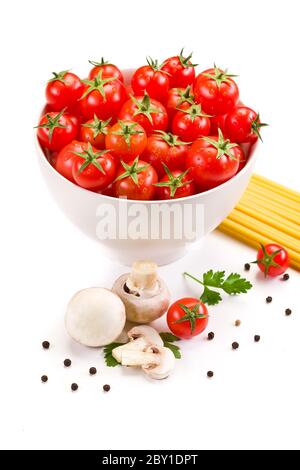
(256, 338)
(93, 371)
(210, 374)
(74, 387)
(286, 277)
(46, 344)
(67, 362)
(210, 336)
(288, 311)
(237, 322)
(44, 378)
(247, 267)
(106, 388)
(269, 299)
(235, 345)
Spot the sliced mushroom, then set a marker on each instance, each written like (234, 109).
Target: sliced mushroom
(145, 295)
(164, 367)
(140, 337)
(149, 334)
(134, 358)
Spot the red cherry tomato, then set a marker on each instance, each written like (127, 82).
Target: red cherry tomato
(63, 90)
(102, 97)
(190, 124)
(213, 160)
(216, 91)
(242, 125)
(149, 113)
(152, 80)
(216, 123)
(187, 317)
(175, 185)
(63, 162)
(272, 259)
(108, 70)
(76, 118)
(93, 169)
(94, 132)
(180, 69)
(177, 99)
(135, 180)
(165, 148)
(126, 140)
(55, 130)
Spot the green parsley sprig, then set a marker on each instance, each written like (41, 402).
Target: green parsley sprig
(232, 285)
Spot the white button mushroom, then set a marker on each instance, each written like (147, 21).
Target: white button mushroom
(140, 337)
(165, 364)
(95, 317)
(145, 295)
(145, 349)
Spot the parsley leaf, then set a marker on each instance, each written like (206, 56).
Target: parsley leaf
(110, 361)
(210, 297)
(175, 349)
(233, 284)
(213, 279)
(168, 339)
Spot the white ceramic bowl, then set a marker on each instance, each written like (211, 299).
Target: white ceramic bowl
(96, 214)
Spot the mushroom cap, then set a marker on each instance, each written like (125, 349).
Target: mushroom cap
(146, 307)
(149, 334)
(165, 366)
(95, 316)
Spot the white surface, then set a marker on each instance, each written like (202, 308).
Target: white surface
(253, 400)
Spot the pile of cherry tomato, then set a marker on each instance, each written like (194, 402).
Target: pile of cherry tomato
(168, 134)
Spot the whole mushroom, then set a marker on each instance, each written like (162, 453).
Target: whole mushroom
(145, 295)
(95, 317)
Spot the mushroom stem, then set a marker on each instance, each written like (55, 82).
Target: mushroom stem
(143, 275)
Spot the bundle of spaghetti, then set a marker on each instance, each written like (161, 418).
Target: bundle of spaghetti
(267, 213)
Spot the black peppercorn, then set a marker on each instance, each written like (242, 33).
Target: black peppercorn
(288, 311)
(235, 345)
(74, 387)
(210, 374)
(256, 338)
(93, 371)
(44, 378)
(269, 299)
(247, 267)
(286, 277)
(237, 322)
(210, 336)
(46, 344)
(67, 362)
(106, 388)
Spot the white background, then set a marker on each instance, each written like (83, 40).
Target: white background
(253, 400)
